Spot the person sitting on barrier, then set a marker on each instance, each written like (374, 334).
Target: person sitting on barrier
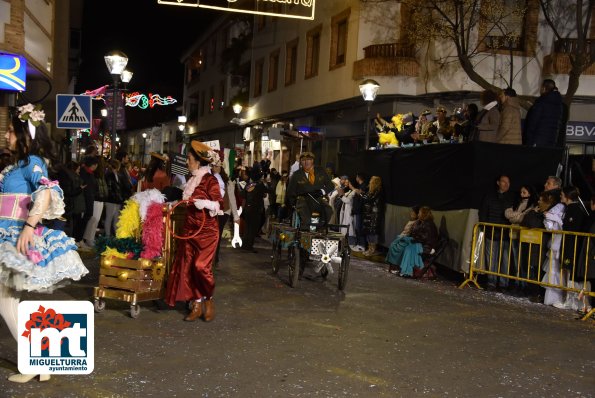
(397, 247)
(308, 189)
(575, 217)
(553, 213)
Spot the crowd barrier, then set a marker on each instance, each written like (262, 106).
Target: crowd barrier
(550, 259)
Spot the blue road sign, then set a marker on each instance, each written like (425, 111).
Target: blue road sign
(73, 111)
(13, 72)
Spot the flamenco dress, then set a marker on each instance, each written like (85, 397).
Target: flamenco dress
(53, 259)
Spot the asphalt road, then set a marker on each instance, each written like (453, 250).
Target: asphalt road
(384, 337)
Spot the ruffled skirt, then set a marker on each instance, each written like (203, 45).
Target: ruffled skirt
(50, 264)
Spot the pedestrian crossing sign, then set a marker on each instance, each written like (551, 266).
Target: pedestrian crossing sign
(73, 111)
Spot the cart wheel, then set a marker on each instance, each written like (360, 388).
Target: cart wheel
(134, 310)
(99, 305)
(276, 262)
(294, 267)
(343, 270)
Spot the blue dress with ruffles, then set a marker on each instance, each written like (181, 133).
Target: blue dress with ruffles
(53, 259)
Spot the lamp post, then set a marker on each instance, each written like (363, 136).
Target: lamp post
(116, 62)
(368, 88)
(144, 135)
(103, 115)
(237, 109)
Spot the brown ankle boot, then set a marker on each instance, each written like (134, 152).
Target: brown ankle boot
(195, 313)
(209, 310)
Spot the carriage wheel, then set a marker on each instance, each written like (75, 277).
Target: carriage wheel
(343, 270)
(294, 267)
(134, 310)
(276, 261)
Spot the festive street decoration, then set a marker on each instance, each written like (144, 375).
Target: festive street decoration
(135, 99)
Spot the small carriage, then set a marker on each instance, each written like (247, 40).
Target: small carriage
(327, 250)
(137, 280)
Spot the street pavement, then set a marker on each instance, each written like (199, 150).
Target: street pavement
(385, 336)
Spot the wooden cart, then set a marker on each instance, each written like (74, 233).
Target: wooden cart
(134, 281)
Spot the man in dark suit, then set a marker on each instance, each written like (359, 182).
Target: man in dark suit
(308, 189)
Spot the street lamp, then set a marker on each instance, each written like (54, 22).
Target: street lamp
(116, 63)
(368, 88)
(144, 147)
(182, 122)
(237, 109)
(103, 115)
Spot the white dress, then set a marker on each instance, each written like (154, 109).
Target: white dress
(551, 266)
(346, 218)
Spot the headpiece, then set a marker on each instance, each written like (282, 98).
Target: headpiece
(160, 156)
(205, 152)
(307, 155)
(33, 115)
(441, 109)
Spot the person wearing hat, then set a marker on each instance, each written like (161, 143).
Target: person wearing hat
(509, 129)
(443, 128)
(156, 176)
(308, 189)
(191, 277)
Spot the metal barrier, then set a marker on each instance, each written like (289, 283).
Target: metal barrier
(550, 259)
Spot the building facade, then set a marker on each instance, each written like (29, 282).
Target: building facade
(303, 77)
(47, 35)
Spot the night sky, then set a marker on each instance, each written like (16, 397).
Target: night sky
(154, 37)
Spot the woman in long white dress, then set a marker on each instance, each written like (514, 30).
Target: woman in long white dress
(553, 216)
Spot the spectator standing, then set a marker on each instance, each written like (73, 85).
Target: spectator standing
(488, 119)
(553, 220)
(509, 129)
(229, 204)
(295, 166)
(156, 176)
(74, 201)
(98, 204)
(497, 242)
(125, 181)
(575, 220)
(90, 192)
(553, 185)
(114, 200)
(469, 126)
(357, 211)
(253, 208)
(280, 191)
(544, 118)
(373, 207)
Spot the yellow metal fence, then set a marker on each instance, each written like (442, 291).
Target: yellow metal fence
(551, 259)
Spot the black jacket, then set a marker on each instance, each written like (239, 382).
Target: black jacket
(492, 211)
(371, 214)
(300, 185)
(114, 188)
(543, 120)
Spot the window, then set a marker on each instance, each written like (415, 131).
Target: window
(291, 62)
(312, 52)
(258, 67)
(510, 26)
(273, 70)
(339, 26)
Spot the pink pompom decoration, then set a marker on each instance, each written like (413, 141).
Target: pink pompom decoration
(153, 232)
(34, 256)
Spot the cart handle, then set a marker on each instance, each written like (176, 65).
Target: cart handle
(168, 221)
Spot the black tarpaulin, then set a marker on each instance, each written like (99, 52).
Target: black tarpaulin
(451, 176)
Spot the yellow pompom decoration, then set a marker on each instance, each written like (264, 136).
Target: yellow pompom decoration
(111, 252)
(388, 138)
(129, 224)
(398, 121)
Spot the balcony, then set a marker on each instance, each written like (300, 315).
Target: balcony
(392, 59)
(558, 62)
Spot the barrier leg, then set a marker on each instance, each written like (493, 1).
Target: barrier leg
(588, 314)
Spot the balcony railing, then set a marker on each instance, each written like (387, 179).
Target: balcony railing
(568, 46)
(390, 50)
